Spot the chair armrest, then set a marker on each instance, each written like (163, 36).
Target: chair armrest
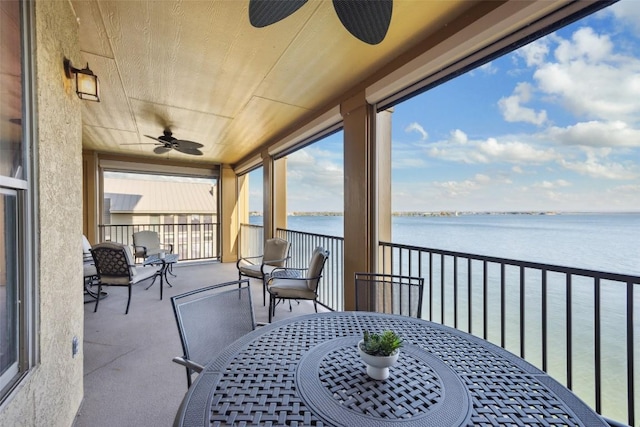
(271, 261)
(169, 245)
(136, 248)
(189, 364)
(247, 258)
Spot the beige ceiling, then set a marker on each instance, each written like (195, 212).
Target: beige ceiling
(200, 69)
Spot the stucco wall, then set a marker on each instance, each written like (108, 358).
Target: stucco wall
(52, 392)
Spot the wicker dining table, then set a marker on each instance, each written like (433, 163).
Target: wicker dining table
(306, 371)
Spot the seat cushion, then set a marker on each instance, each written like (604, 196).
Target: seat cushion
(291, 288)
(143, 273)
(253, 270)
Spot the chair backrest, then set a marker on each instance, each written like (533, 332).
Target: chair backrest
(113, 260)
(387, 293)
(86, 246)
(316, 265)
(149, 239)
(211, 318)
(275, 251)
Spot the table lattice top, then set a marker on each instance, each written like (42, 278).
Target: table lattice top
(307, 371)
(155, 259)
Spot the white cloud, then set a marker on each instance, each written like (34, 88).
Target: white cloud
(534, 53)
(590, 80)
(594, 168)
(548, 185)
(415, 127)
(513, 111)
(315, 180)
(461, 149)
(628, 13)
(488, 68)
(597, 134)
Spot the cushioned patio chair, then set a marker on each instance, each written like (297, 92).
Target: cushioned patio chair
(209, 319)
(388, 293)
(147, 242)
(275, 254)
(89, 269)
(115, 267)
(303, 287)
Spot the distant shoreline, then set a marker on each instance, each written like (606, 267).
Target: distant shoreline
(457, 213)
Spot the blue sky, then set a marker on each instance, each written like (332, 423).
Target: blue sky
(553, 126)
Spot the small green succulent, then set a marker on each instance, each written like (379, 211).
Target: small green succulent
(384, 344)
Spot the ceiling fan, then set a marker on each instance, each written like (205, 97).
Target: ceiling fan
(367, 20)
(167, 142)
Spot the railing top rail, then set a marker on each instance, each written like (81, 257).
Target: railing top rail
(526, 264)
(326, 236)
(251, 225)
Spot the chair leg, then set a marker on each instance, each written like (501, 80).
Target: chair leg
(272, 308)
(264, 291)
(98, 296)
(128, 301)
(188, 378)
(315, 305)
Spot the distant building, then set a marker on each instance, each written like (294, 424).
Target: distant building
(134, 201)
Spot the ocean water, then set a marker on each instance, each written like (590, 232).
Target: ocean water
(603, 242)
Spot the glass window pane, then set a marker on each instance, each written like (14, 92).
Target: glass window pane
(8, 282)
(11, 159)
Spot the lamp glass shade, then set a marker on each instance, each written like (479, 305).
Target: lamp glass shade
(87, 86)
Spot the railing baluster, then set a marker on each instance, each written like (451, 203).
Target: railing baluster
(630, 356)
(442, 276)
(455, 291)
(597, 343)
(522, 313)
(485, 299)
(569, 333)
(544, 320)
(503, 310)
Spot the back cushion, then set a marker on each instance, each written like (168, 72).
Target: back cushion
(315, 267)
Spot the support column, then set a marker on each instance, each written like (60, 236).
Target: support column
(383, 168)
(233, 202)
(280, 194)
(267, 195)
(90, 197)
(360, 200)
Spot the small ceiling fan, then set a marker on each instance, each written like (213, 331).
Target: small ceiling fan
(167, 142)
(367, 20)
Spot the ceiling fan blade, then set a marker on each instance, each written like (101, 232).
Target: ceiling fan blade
(192, 151)
(161, 150)
(141, 143)
(154, 138)
(367, 20)
(187, 144)
(267, 12)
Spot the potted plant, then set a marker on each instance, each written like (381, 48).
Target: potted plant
(379, 352)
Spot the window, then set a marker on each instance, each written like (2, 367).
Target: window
(14, 196)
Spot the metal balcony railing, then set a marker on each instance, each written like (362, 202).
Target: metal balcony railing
(191, 241)
(580, 326)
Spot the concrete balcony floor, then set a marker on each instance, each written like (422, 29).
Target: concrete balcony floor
(129, 378)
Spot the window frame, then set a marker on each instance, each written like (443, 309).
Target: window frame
(26, 222)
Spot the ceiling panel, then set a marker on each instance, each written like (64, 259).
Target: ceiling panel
(259, 121)
(200, 68)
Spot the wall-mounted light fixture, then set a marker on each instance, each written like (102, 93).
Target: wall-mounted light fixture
(87, 86)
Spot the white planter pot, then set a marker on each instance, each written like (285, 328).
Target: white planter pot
(378, 366)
